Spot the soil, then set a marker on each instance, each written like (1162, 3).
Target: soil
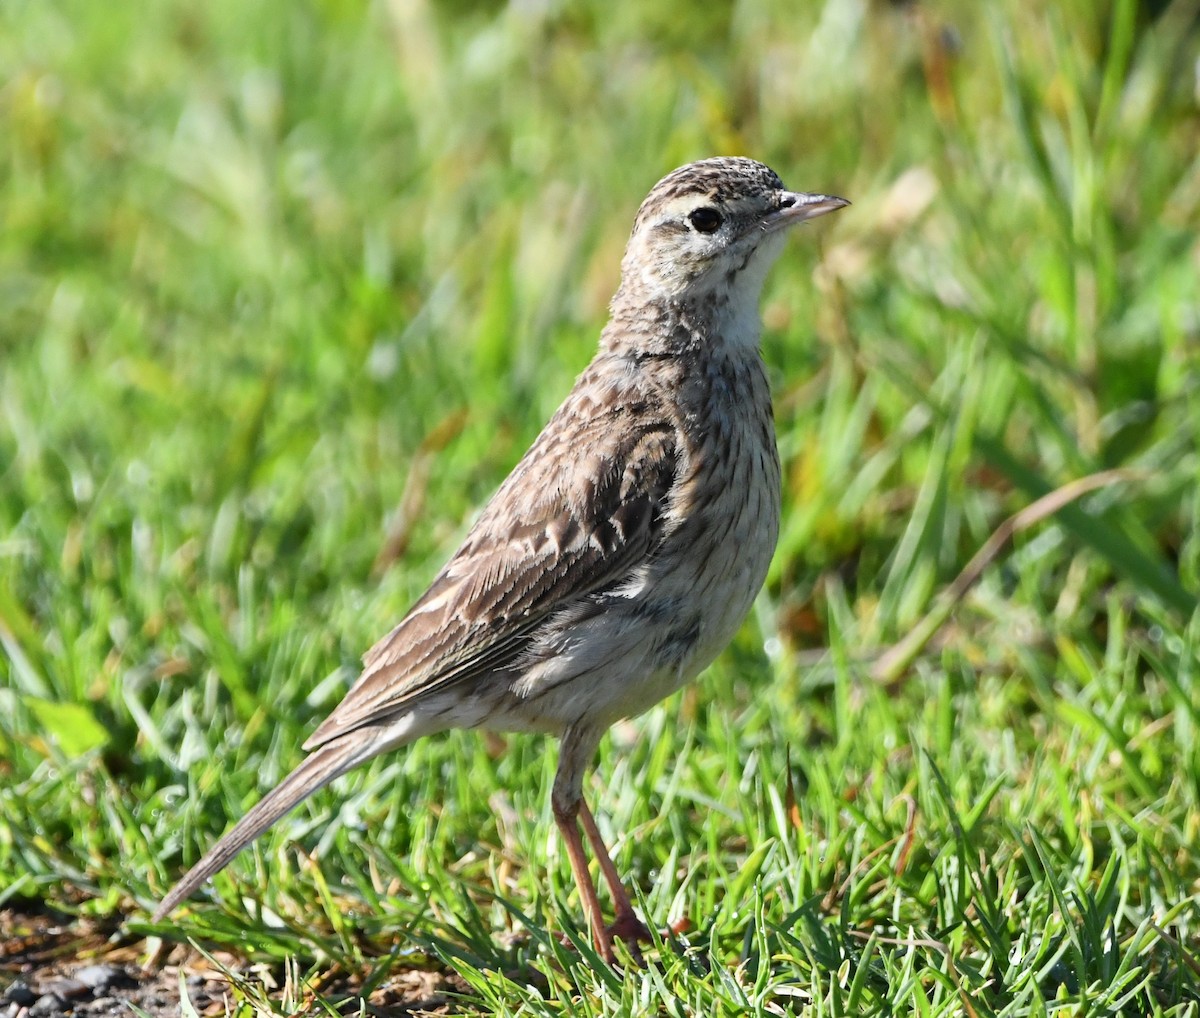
(51, 966)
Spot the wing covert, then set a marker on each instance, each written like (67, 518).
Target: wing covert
(567, 522)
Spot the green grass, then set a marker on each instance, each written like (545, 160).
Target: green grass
(279, 282)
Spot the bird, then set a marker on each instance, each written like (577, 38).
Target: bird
(622, 552)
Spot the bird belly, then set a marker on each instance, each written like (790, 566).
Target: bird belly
(617, 654)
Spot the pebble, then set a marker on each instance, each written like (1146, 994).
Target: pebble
(99, 977)
(65, 987)
(48, 1005)
(20, 994)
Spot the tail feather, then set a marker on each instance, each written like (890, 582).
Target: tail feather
(321, 767)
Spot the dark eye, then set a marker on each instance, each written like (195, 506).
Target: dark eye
(706, 220)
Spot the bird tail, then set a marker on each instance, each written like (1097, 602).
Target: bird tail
(321, 767)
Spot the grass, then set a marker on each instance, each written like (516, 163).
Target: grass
(286, 290)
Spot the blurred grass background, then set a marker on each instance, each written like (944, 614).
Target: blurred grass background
(285, 289)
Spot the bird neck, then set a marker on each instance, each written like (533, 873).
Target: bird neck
(710, 323)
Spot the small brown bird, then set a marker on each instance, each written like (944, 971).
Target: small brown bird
(625, 548)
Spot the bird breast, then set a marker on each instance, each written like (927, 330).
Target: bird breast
(674, 613)
(727, 507)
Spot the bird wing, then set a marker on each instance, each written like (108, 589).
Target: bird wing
(579, 512)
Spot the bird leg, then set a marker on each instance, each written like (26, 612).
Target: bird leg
(579, 744)
(566, 819)
(626, 924)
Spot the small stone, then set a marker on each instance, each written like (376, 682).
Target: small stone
(99, 977)
(48, 1005)
(20, 994)
(68, 989)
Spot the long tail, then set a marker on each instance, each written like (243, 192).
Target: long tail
(320, 768)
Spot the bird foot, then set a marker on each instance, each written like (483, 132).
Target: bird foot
(631, 931)
(629, 928)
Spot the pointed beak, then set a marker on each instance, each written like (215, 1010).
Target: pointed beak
(795, 207)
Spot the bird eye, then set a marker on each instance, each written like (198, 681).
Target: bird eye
(706, 220)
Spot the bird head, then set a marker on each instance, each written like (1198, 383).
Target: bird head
(713, 228)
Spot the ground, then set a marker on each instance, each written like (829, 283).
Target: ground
(52, 966)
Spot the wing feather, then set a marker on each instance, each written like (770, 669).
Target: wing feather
(567, 522)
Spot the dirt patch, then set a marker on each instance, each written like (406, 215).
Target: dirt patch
(51, 967)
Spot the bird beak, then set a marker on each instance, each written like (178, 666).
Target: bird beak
(800, 208)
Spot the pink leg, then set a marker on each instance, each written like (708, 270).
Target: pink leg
(569, 829)
(578, 747)
(626, 924)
